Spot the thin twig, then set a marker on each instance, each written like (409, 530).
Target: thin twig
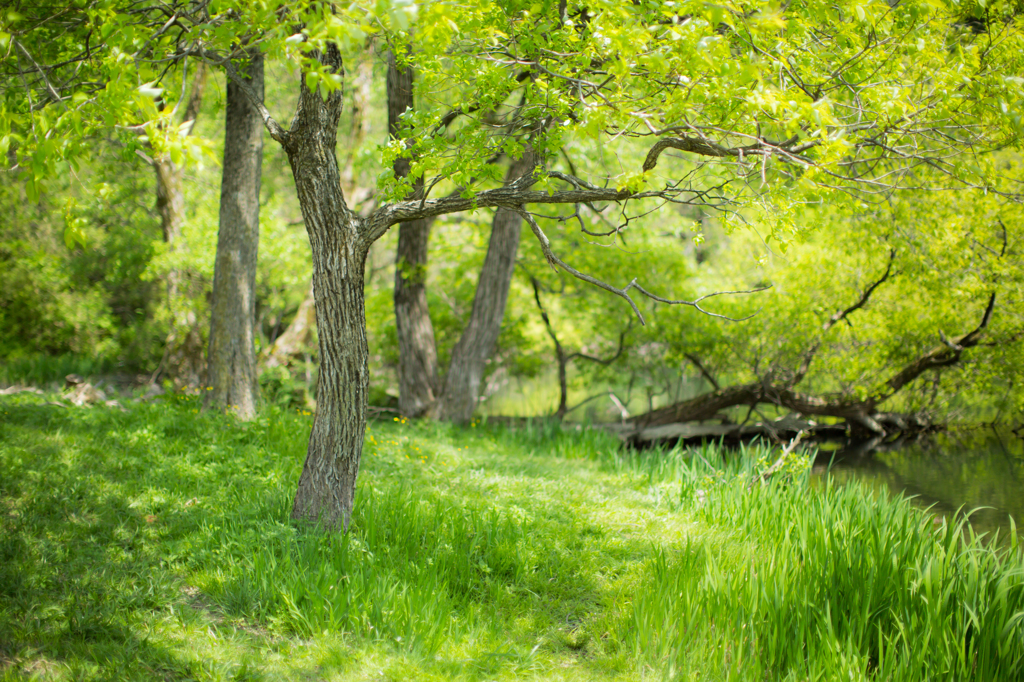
(767, 473)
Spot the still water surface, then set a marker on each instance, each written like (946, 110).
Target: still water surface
(980, 469)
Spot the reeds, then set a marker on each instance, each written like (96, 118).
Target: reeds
(829, 583)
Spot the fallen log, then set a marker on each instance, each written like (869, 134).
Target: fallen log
(861, 415)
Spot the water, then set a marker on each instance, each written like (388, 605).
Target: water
(980, 470)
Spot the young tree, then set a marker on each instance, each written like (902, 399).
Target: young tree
(767, 103)
(231, 368)
(417, 350)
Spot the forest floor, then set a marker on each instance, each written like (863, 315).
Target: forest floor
(155, 543)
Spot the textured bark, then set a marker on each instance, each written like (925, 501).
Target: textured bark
(231, 375)
(475, 347)
(417, 350)
(293, 343)
(183, 359)
(327, 485)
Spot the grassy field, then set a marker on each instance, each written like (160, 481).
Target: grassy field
(155, 544)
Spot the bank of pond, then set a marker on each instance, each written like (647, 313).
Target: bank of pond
(973, 471)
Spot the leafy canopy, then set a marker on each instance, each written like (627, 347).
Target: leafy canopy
(769, 97)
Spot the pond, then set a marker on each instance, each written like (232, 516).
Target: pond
(979, 469)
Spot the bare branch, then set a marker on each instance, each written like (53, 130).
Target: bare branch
(808, 357)
(606, 361)
(703, 370)
(50, 90)
(553, 260)
(705, 147)
(563, 389)
(862, 301)
(767, 473)
(695, 303)
(511, 196)
(941, 356)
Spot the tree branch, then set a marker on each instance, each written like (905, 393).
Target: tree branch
(516, 195)
(767, 473)
(563, 389)
(703, 370)
(859, 411)
(277, 132)
(705, 147)
(941, 356)
(554, 260)
(50, 90)
(606, 361)
(808, 357)
(862, 301)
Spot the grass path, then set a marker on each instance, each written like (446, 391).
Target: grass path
(155, 544)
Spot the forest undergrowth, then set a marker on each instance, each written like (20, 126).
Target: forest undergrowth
(156, 543)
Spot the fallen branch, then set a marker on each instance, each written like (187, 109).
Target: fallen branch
(861, 413)
(786, 451)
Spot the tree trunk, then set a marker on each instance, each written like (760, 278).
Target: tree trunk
(327, 486)
(232, 378)
(417, 349)
(475, 347)
(292, 344)
(183, 350)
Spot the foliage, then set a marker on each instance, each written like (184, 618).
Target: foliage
(476, 553)
(952, 250)
(775, 105)
(55, 299)
(103, 296)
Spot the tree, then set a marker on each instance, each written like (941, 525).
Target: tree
(805, 99)
(418, 384)
(421, 391)
(476, 345)
(183, 354)
(231, 369)
(295, 339)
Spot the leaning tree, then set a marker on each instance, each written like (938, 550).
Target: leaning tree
(734, 105)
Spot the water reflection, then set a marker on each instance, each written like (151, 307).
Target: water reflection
(968, 469)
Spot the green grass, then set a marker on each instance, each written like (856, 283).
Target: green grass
(40, 370)
(155, 544)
